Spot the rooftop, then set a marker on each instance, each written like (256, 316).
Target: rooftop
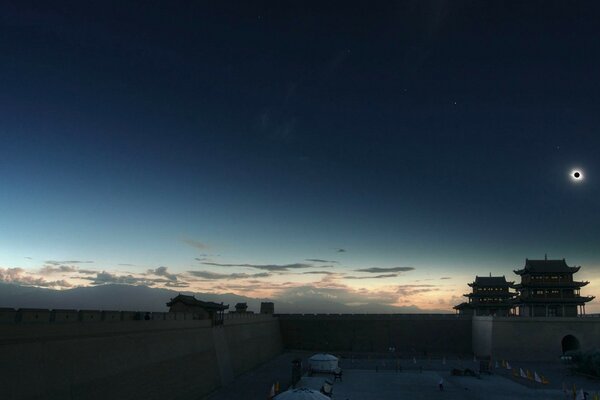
(491, 281)
(546, 266)
(192, 301)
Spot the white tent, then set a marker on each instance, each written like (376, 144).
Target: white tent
(301, 394)
(323, 362)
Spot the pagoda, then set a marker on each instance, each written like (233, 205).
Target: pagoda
(490, 296)
(547, 289)
(200, 309)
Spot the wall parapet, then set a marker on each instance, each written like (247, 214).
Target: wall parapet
(60, 316)
(375, 316)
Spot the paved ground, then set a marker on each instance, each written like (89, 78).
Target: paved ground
(370, 385)
(256, 384)
(370, 378)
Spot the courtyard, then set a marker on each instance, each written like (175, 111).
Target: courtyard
(369, 378)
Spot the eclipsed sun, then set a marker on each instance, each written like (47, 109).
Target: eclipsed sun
(576, 175)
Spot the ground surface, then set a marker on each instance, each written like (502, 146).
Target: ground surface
(408, 378)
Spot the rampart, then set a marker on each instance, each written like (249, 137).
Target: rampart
(90, 354)
(407, 333)
(540, 339)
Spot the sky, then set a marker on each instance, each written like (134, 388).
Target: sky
(382, 152)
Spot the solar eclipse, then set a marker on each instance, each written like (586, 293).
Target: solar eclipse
(576, 175)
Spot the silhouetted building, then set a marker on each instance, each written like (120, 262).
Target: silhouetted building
(267, 307)
(241, 308)
(200, 309)
(490, 296)
(547, 289)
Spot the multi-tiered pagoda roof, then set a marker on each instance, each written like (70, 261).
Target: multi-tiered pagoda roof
(490, 296)
(547, 288)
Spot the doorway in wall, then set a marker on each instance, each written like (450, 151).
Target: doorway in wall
(569, 343)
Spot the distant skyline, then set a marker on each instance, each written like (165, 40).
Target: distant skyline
(370, 154)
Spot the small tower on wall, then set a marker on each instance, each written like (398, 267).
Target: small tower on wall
(267, 307)
(490, 296)
(241, 308)
(547, 289)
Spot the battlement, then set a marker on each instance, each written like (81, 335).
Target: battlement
(375, 316)
(61, 316)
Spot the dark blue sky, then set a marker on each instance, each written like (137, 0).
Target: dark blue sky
(435, 135)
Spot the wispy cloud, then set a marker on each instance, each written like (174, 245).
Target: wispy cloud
(197, 244)
(216, 276)
(445, 277)
(68, 262)
(318, 260)
(319, 273)
(177, 284)
(270, 267)
(372, 277)
(410, 290)
(375, 270)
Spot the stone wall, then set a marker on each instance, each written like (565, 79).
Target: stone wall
(532, 339)
(408, 333)
(98, 355)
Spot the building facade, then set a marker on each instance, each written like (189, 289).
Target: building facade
(547, 289)
(490, 296)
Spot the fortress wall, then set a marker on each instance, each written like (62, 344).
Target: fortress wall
(408, 333)
(253, 340)
(482, 336)
(540, 338)
(149, 359)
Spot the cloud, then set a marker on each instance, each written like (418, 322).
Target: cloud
(372, 277)
(196, 244)
(145, 279)
(410, 290)
(343, 295)
(18, 276)
(126, 265)
(269, 267)
(162, 271)
(177, 284)
(376, 270)
(318, 260)
(104, 277)
(49, 270)
(217, 276)
(319, 273)
(54, 262)
(206, 257)
(445, 277)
